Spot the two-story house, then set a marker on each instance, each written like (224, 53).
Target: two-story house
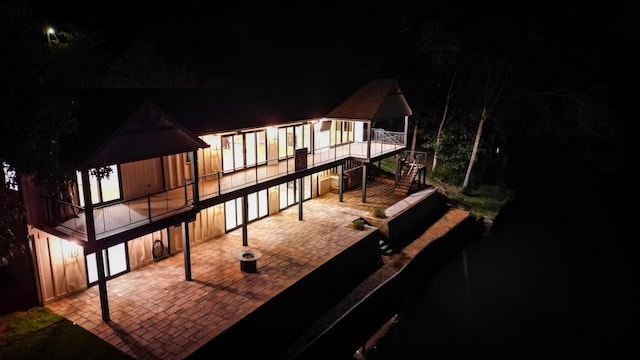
(188, 165)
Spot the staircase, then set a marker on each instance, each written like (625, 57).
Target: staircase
(404, 185)
(386, 247)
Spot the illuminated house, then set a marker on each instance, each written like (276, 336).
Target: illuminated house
(190, 165)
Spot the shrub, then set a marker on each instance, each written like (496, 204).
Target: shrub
(358, 224)
(379, 213)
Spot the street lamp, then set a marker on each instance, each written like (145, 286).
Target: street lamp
(49, 30)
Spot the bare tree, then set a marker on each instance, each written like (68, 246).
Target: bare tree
(445, 113)
(492, 90)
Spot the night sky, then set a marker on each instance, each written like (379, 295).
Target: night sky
(222, 36)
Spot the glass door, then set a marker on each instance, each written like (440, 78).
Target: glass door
(115, 263)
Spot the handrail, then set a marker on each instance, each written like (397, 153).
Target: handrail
(115, 215)
(122, 213)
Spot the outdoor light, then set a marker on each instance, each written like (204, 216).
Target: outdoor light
(49, 31)
(73, 253)
(71, 250)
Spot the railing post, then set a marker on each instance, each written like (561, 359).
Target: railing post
(218, 175)
(186, 199)
(149, 205)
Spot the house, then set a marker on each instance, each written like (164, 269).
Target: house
(161, 170)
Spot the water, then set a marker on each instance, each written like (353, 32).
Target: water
(538, 286)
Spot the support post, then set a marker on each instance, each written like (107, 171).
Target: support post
(300, 197)
(194, 177)
(364, 183)
(245, 215)
(186, 244)
(91, 239)
(341, 180)
(102, 287)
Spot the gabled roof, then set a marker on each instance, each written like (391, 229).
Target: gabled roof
(123, 125)
(377, 101)
(147, 133)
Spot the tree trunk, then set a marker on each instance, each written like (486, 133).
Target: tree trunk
(444, 117)
(413, 142)
(476, 144)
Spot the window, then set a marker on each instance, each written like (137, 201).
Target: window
(102, 190)
(10, 180)
(115, 263)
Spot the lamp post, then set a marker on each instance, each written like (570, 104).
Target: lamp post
(49, 31)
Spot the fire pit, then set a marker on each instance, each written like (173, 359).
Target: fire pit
(248, 260)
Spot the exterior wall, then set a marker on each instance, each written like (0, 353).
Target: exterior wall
(210, 159)
(274, 200)
(60, 265)
(176, 170)
(140, 178)
(141, 249)
(209, 224)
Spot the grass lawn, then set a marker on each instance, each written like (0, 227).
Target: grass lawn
(40, 334)
(485, 201)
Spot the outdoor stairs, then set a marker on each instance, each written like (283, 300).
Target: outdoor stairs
(386, 247)
(404, 185)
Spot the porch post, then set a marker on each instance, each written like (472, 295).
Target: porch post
(406, 129)
(340, 181)
(88, 207)
(245, 215)
(369, 136)
(91, 239)
(397, 170)
(300, 197)
(364, 183)
(187, 251)
(194, 176)
(102, 286)
(312, 143)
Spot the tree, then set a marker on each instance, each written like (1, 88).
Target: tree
(445, 113)
(141, 67)
(438, 48)
(39, 109)
(493, 90)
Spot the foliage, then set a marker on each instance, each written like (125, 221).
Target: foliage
(357, 224)
(39, 110)
(453, 149)
(141, 67)
(379, 212)
(11, 215)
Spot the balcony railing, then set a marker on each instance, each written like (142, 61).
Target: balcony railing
(117, 215)
(218, 183)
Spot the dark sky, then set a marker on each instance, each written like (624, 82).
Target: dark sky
(253, 34)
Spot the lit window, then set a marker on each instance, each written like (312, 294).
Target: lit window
(10, 180)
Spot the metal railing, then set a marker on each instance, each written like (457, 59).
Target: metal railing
(218, 182)
(116, 215)
(120, 214)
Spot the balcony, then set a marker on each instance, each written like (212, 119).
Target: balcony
(119, 216)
